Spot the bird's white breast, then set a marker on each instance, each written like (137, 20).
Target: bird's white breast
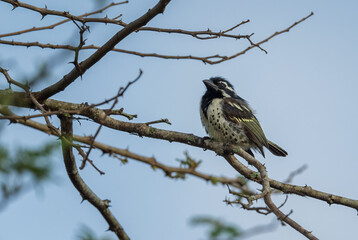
(221, 129)
(214, 121)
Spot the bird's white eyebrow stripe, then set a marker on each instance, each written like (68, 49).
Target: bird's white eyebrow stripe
(227, 86)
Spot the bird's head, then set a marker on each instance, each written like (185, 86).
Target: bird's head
(220, 87)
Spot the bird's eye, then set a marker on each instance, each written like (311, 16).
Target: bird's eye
(221, 85)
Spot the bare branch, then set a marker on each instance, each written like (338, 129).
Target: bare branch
(295, 173)
(266, 194)
(39, 106)
(120, 93)
(101, 52)
(168, 170)
(163, 120)
(266, 39)
(27, 117)
(52, 26)
(283, 217)
(81, 186)
(214, 59)
(142, 129)
(44, 11)
(202, 35)
(12, 81)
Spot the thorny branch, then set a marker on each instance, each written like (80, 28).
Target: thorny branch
(266, 193)
(12, 81)
(120, 93)
(33, 99)
(142, 129)
(102, 117)
(102, 51)
(213, 59)
(44, 11)
(111, 150)
(145, 130)
(81, 186)
(52, 26)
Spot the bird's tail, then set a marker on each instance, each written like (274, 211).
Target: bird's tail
(276, 150)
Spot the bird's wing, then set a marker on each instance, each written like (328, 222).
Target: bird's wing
(239, 112)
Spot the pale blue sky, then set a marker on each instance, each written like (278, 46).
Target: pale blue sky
(304, 92)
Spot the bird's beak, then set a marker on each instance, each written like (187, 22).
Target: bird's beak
(210, 85)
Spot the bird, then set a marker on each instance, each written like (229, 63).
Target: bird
(228, 118)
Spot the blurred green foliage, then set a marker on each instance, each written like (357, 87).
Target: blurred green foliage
(22, 169)
(218, 229)
(86, 233)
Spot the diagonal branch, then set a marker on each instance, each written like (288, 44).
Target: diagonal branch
(12, 81)
(81, 186)
(102, 51)
(285, 218)
(266, 193)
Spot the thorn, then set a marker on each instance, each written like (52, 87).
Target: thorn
(43, 15)
(106, 203)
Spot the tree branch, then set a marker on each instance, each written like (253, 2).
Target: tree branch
(213, 59)
(142, 129)
(101, 52)
(45, 11)
(168, 170)
(266, 193)
(283, 217)
(81, 186)
(52, 26)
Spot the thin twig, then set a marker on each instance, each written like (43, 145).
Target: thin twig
(202, 35)
(120, 93)
(82, 42)
(27, 117)
(55, 130)
(45, 11)
(295, 173)
(12, 81)
(163, 120)
(52, 26)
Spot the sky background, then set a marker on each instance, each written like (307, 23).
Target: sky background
(304, 92)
